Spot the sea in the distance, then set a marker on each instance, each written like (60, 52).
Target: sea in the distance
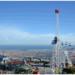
(23, 47)
(30, 47)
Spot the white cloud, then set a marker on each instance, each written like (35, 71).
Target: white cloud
(16, 36)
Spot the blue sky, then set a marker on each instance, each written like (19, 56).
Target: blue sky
(33, 23)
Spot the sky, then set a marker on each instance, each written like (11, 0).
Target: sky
(34, 22)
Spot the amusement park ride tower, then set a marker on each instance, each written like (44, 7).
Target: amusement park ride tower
(59, 55)
(56, 42)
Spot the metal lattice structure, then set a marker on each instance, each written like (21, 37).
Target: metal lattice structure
(59, 56)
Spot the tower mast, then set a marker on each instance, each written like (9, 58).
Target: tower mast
(57, 22)
(56, 52)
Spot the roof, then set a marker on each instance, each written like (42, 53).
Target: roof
(1, 57)
(27, 67)
(16, 62)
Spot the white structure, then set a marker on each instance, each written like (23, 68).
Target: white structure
(58, 58)
(67, 58)
(6, 60)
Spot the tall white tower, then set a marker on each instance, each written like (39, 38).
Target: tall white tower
(57, 45)
(57, 57)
